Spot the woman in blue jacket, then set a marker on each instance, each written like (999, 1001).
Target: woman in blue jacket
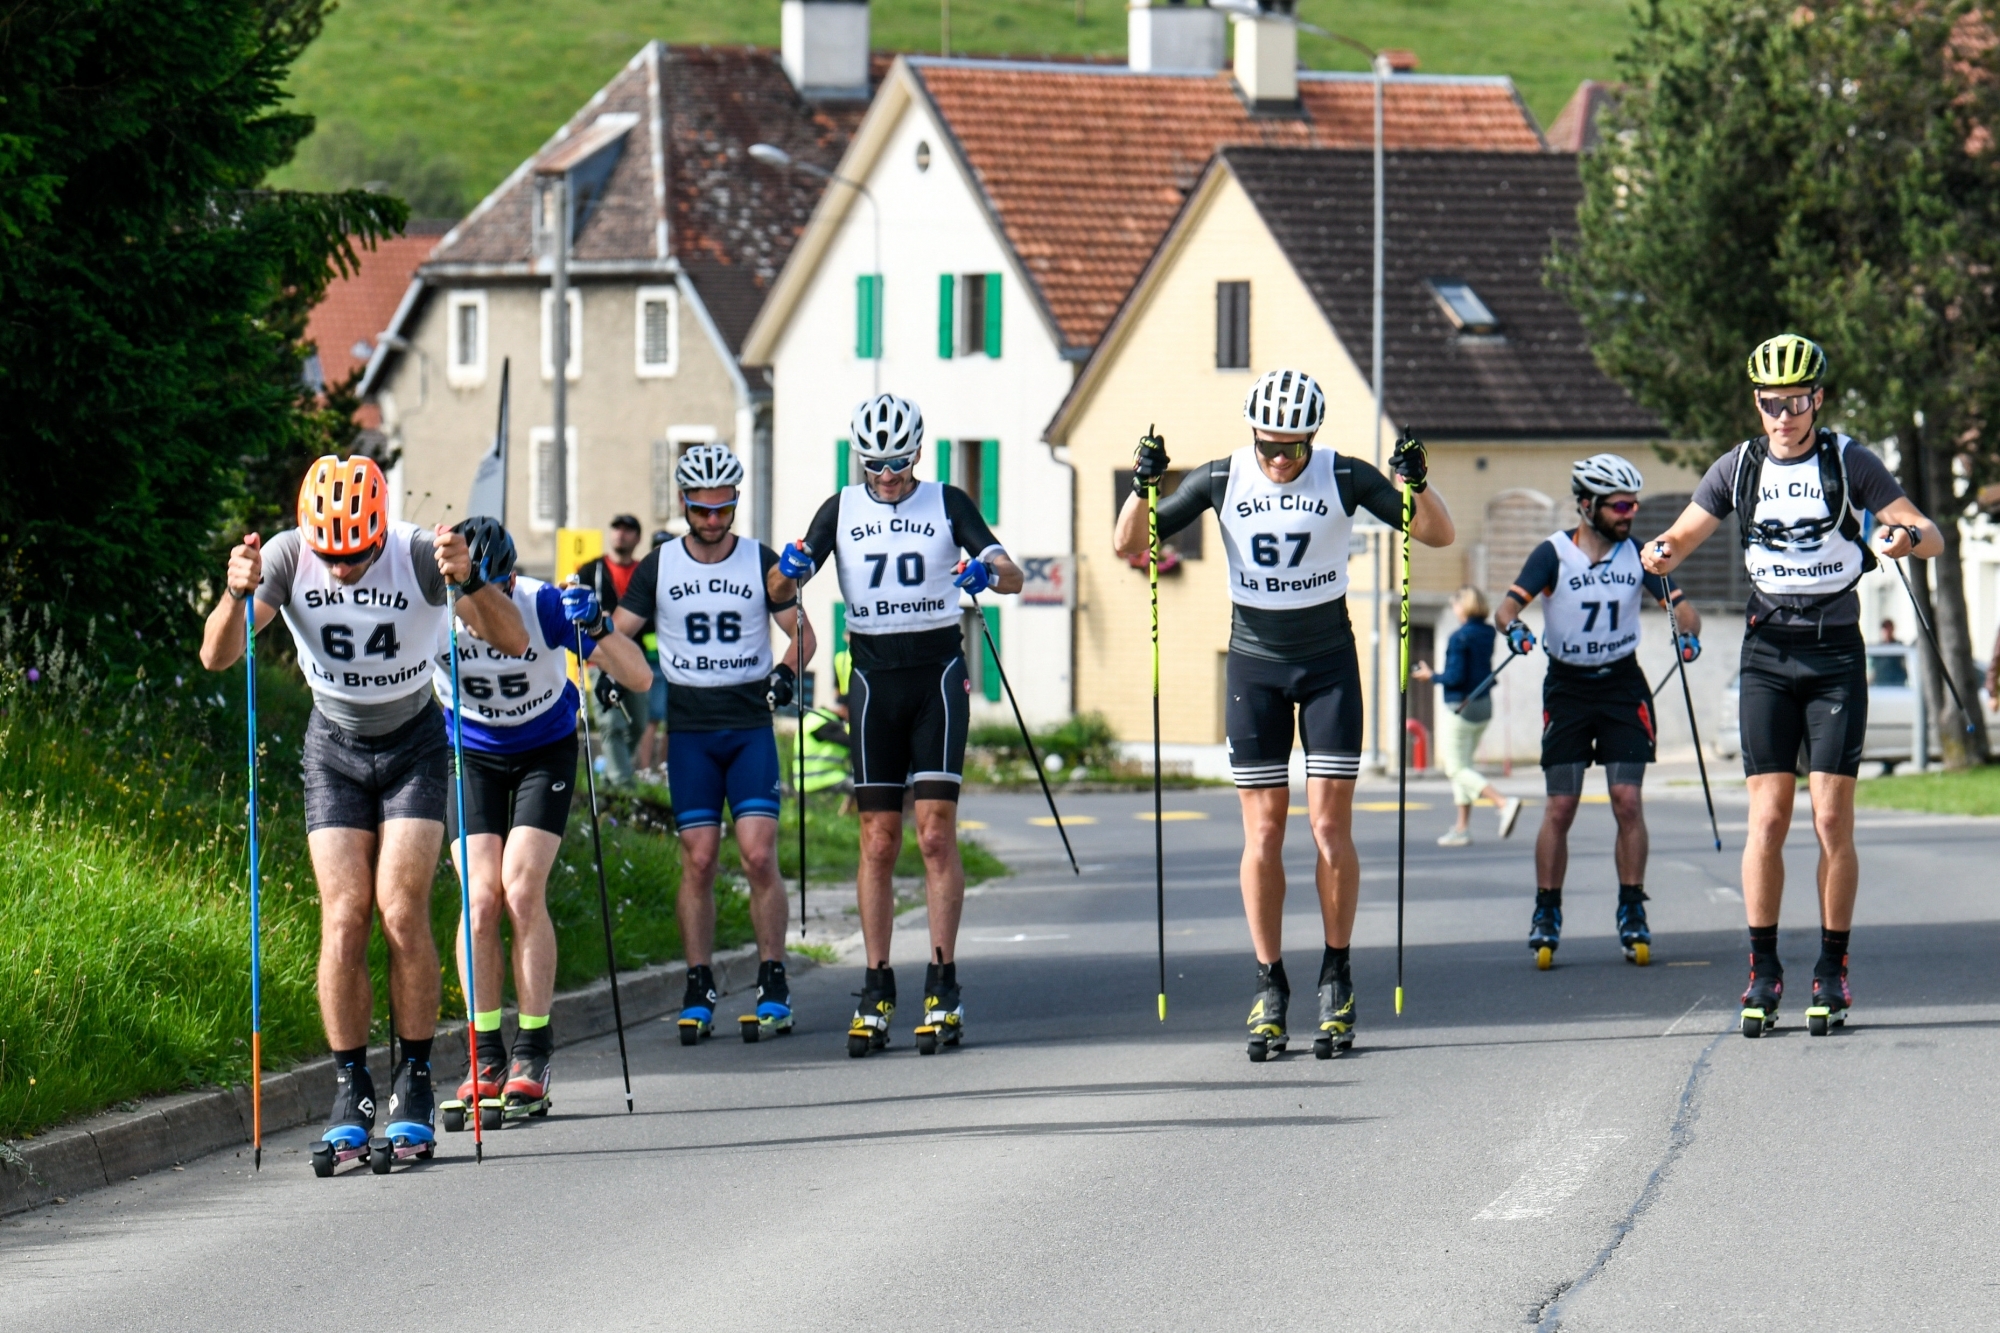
(1468, 660)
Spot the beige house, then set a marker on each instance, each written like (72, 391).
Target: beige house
(1270, 264)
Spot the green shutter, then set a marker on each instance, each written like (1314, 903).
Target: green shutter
(947, 308)
(944, 462)
(989, 480)
(868, 316)
(993, 315)
(840, 627)
(843, 459)
(989, 674)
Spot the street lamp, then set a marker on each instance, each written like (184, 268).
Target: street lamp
(773, 156)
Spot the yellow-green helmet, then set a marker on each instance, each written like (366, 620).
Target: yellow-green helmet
(1787, 360)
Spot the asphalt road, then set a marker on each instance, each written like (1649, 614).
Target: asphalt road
(1589, 1148)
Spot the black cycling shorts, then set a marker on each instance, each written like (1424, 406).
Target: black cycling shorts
(909, 726)
(1597, 715)
(363, 781)
(531, 789)
(1319, 700)
(1802, 691)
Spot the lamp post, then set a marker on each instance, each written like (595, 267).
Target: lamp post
(773, 156)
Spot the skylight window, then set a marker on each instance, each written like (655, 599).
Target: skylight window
(1462, 306)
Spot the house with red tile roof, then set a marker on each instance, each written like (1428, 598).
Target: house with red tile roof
(344, 327)
(998, 213)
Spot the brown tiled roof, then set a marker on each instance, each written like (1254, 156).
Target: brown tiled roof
(1487, 219)
(357, 308)
(1085, 166)
(1574, 130)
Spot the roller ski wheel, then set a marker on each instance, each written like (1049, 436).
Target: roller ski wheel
(527, 1092)
(1545, 928)
(412, 1115)
(1760, 1005)
(1830, 1001)
(330, 1153)
(350, 1124)
(1267, 1018)
(1633, 934)
(478, 1088)
(1336, 1019)
(773, 1018)
(944, 1021)
(453, 1115)
(868, 1030)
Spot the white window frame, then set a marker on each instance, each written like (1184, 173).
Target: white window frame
(678, 438)
(540, 438)
(575, 367)
(473, 373)
(653, 370)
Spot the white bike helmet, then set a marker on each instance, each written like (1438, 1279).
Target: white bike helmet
(887, 427)
(1604, 474)
(705, 466)
(1285, 400)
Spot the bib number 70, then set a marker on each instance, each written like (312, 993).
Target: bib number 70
(1264, 548)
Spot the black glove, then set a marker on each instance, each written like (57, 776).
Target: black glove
(778, 689)
(1149, 462)
(1409, 462)
(610, 694)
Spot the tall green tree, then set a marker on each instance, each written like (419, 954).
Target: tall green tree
(1829, 169)
(152, 297)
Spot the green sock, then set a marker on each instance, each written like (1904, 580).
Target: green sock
(487, 1020)
(529, 1022)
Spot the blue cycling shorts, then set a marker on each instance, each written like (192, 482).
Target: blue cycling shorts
(704, 768)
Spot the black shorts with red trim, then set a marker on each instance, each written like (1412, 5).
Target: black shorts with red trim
(1597, 715)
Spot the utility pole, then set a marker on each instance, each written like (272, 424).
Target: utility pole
(559, 345)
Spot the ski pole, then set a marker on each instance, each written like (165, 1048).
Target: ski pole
(603, 894)
(1159, 820)
(1486, 684)
(993, 651)
(256, 880)
(800, 699)
(1944, 667)
(464, 881)
(1687, 694)
(1403, 739)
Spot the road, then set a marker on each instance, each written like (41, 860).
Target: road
(1591, 1148)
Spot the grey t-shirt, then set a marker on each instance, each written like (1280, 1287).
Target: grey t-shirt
(1870, 488)
(281, 564)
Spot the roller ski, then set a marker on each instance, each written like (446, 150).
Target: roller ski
(412, 1117)
(1760, 1003)
(1633, 935)
(1336, 1019)
(483, 1089)
(527, 1090)
(350, 1125)
(1546, 928)
(698, 1006)
(944, 1013)
(774, 1004)
(1267, 1013)
(869, 1029)
(1830, 1001)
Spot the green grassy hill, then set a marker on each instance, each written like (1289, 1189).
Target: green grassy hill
(444, 97)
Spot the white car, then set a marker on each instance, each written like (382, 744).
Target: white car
(1891, 707)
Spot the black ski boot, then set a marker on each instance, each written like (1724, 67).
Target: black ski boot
(1633, 935)
(482, 1091)
(351, 1123)
(774, 1003)
(944, 1013)
(1336, 1017)
(527, 1092)
(698, 1005)
(869, 1029)
(1267, 1013)
(1760, 998)
(1830, 1001)
(412, 1119)
(1546, 928)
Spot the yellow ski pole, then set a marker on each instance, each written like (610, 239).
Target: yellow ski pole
(1159, 823)
(1403, 736)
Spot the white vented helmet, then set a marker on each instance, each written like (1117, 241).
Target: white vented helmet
(1285, 400)
(1605, 474)
(888, 427)
(705, 466)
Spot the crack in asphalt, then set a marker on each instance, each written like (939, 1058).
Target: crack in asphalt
(1548, 1319)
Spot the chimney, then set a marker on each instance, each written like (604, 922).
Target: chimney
(1267, 58)
(825, 48)
(1174, 35)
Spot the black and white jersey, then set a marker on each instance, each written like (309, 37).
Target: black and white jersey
(713, 626)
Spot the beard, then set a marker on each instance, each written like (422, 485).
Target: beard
(1615, 531)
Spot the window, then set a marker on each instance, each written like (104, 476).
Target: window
(978, 314)
(656, 335)
(1232, 326)
(465, 338)
(1188, 540)
(974, 467)
(574, 368)
(542, 477)
(868, 316)
(1462, 306)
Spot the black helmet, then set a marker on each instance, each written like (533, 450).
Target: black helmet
(492, 549)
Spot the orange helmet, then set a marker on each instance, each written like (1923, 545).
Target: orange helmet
(343, 505)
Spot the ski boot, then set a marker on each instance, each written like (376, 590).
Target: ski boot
(1267, 1013)
(352, 1121)
(869, 1030)
(412, 1113)
(698, 1006)
(527, 1092)
(944, 1015)
(1336, 1019)
(774, 1004)
(1545, 930)
(1760, 1001)
(1633, 935)
(1830, 1000)
(484, 1089)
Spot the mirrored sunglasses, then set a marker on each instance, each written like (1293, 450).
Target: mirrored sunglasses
(1283, 448)
(878, 466)
(1796, 405)
(711, 511)
(1622, 508)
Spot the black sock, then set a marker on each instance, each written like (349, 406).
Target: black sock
(881, 980)
(1832, 953)
(1548, 898)
(417, 1051)
(1631, 893)
(541, 1039)
(1333, 965)
(1273, 975)
(358, 1057)
(948, 975)
(1764, 952)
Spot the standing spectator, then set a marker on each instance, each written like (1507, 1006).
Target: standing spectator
(623, 717)
(1889, 631)
(1468, 660)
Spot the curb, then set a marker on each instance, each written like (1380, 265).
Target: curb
(167, 1131)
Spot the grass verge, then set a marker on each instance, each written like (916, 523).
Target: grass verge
(1967, 791)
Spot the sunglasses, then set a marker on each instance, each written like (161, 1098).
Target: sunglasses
(878, 466)
(711, 511)
(1622, 508)
(357, 558)
(1796, 405)
(1283, 448)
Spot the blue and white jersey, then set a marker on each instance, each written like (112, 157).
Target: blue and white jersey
(515, 704)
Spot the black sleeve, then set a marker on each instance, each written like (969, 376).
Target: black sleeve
(1368, 489)
(968, 525)
(1656, 588)
(1197, 492)
(769, 558)
(824, 531)
(1871, 487)
(642, 593)
(1538, 576)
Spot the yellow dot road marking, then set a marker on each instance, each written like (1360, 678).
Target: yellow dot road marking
(1044, 821)
(1389, 806)
(1169, 816)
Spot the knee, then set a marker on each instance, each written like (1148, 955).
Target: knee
(699, 861)
(759, 862)
(343, 938)
(1834, 827)
(1769, 826)
(526, 898)
(1626, 807)
(1560, 814)
(1334, 838)
(936, 841)
(409, 925)
(881, 840)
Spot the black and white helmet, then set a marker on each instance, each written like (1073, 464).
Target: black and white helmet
(1604, 474)
(887, 427)
(705, 466)
(1285, 400)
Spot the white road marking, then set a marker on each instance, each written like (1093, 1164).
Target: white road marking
(1010, 939)
(1722, 893)
(1684, 1017)
(1559, 1174)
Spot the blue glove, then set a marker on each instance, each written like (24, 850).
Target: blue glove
(973, 576)
(1520, 639)
(795, 561)
(582, 609)
(1690, 647)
